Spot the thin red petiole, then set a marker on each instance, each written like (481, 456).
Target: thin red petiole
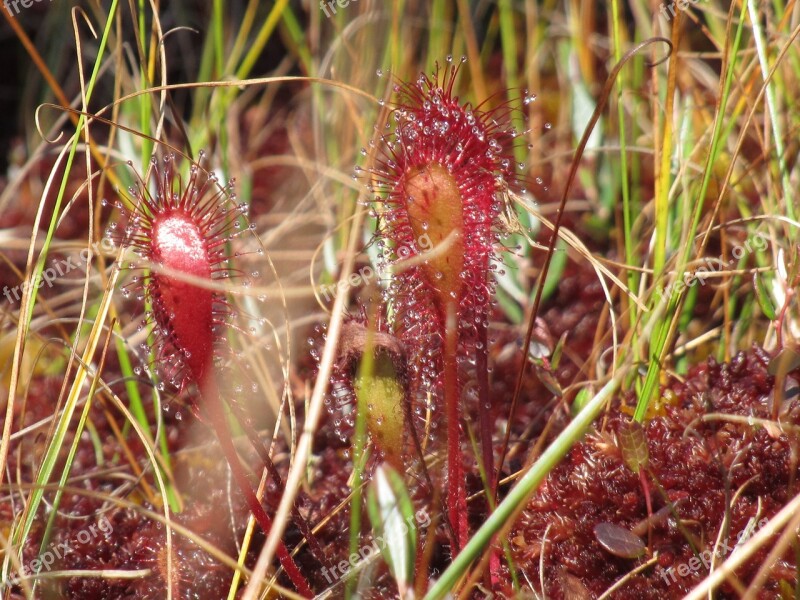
(212, 406)
(456, 486)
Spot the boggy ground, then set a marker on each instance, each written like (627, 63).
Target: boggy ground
(713, 480)
(702, 472)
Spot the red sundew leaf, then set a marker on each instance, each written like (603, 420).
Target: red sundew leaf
(439, 183)
(182, 230)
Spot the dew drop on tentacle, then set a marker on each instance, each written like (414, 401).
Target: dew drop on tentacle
(169, 229)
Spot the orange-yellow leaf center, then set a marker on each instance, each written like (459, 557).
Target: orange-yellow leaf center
(435, 210)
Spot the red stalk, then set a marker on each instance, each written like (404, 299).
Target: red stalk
(456, 488)
(272, 471)
(214, 408)
(485, 423)
(184, 232)
(438, 183)
(486, 426)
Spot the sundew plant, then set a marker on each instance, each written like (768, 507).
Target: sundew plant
(416, 300)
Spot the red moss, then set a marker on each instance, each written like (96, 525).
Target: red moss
(699, 464)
